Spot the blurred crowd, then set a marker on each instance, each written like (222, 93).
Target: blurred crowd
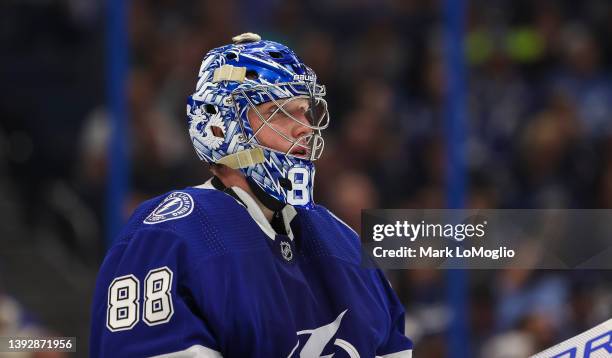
(538, 130)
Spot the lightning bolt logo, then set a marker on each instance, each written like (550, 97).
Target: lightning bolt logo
(320, 337)
(167, 205)
(175, 206)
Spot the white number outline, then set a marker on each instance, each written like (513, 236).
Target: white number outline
(167, 292)
(134, 302)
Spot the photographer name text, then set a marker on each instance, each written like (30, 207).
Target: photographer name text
(447, 252)
(411, 232)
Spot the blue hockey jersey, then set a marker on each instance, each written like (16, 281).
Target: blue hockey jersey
(201, 273)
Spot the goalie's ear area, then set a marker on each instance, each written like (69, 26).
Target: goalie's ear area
(217, 131)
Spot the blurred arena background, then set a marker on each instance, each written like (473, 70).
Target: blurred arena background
(538, 134)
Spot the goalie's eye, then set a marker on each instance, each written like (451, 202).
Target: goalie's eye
(273, 111)
(278, 114)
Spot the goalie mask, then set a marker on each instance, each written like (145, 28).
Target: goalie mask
(232, 82)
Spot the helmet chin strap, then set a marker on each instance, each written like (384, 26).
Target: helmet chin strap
(244, 158)
(267, 200)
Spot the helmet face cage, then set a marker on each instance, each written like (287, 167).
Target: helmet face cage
(219, 124)
(309, 146)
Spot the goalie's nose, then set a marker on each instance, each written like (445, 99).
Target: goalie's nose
(300, 127)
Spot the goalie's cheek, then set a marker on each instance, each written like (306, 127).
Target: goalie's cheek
(271, 139)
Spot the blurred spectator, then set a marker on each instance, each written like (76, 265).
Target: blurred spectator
(583, 78)
(352, 192)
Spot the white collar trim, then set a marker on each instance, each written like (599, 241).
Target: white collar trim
(207, 185)
(257, 214)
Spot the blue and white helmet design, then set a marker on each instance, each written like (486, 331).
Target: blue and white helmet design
(232, 81)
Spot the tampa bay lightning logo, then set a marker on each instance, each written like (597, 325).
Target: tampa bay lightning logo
(175, 206)
(314, 341)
